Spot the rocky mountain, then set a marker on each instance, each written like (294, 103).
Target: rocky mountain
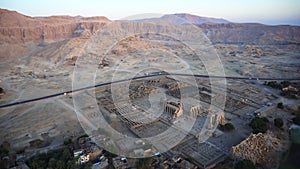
(22, 35)
(184, 18)
(54, 37)
(16, 28)
(193, 19)
(222, 31)
(251, 33)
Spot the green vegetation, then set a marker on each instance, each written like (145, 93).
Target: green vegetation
(245, 164)
(281, 85)
(288, 93)
(88, 165)
(259, 125)
(285, 93)
(20, 151)
(68, 141)
(3, 151)
(280, 105)
(274, 84)
(278, 122)
(56, 159)
(226, 127)
(285, 83)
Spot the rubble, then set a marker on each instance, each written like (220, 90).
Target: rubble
(259, 148)
(254, 51)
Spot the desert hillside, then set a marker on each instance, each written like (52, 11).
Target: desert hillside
(251, 33)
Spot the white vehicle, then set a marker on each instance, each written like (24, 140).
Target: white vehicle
(101, 157)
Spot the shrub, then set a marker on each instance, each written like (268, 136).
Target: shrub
(3, 151)
(278, 122)
(58, 159)
(226, 127)
(280, 105)
(68, 141)
(259, 125)
(274, 84)
(285, 83)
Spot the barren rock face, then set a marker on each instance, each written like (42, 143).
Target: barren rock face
(19, 29)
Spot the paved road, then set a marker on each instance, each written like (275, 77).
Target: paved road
(142, 77)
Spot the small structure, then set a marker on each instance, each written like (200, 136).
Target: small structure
(173, 109)
(140, 142)
(158, 154)
(77, 152)
(103, 62)
(195, 111)
(120, 162)
(291, 89)
(84, 159)
(100, 165)
(269, 104)
(215, 119)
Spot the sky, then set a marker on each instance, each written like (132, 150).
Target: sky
(262, 11)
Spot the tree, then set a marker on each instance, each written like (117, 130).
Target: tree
(66, 155)
(71, 164)
(20, 151)
(278, 122)
(245, 164)
(259, 125)
(68, 141)
(52, 163)
(34, 165)
(226, 127)
(60, 165)
(88, 165)
(285, 83)
(274, 84)
(55, 159)
(3, 151)
(280, 105)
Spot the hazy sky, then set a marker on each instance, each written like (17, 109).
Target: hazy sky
(264, 11)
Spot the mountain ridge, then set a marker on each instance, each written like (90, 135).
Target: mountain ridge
(194, 19)
(18, 31)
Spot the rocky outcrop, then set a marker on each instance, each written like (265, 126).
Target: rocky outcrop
(16, 28)
(259, 148)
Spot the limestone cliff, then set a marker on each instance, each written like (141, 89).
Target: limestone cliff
(16, 28)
